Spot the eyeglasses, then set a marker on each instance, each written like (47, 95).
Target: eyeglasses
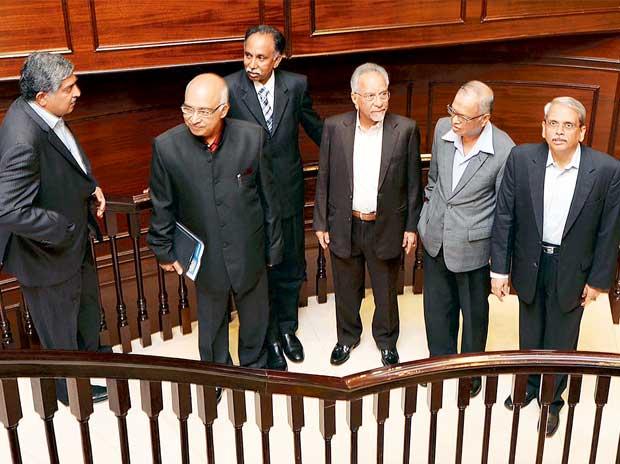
(462, 117)
(189, 112)
(370, 97)
(567, 126)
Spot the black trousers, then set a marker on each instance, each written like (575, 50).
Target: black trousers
(285, 280)
(253, 311)
(67, 315)
(544, 325)
(446, 295)
(349, 288)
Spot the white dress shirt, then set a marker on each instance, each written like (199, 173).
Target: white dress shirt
(558, 194)
(484, 143)
(62, 131)
(270, 85)
(366, 166)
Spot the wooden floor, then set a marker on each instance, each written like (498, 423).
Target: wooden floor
(318, 333)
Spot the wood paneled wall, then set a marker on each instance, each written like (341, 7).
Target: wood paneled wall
(105, 35)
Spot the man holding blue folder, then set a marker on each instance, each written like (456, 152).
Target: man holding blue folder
(212, 176)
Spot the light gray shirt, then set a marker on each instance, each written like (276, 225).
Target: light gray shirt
(366, 166)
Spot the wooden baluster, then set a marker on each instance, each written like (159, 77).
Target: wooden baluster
(165, 318)
(547, 385)
(354, 419)
(263, 403)
(120, 403)
(408, 403)
(519, 387)
(184, 315)
(237, 415)
(321, 276)
(614, 296)
(81, 405)
(182, 407)
(381, 409)
(600, 399)
(462, 401)
(5, 326)
(303, 292)
(152, 405)
(104, 332)
(434, 399)
(418, 269)
(144, 324)
(10, 414)
(490, 398)
(574, 393)
(401, 275)
(207, 411)
(327, 423)
(46, 405)
(296, 421)
(111, 224)
(31, 335)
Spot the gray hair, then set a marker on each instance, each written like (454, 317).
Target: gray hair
(364, 69)
(570, 102)
(484, 94)
(43, 72)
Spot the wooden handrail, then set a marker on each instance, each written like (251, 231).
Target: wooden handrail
(14, 364)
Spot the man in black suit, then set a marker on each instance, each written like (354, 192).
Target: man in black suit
(368, 201)
(556, 233)
(46, 185)
(279, 101)
(212, 175)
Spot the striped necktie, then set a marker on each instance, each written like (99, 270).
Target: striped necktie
(263, 97)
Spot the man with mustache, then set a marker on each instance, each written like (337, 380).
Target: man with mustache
(279, 102)
(212, 175)
(556, 233)
(368, 201)
(46, 187)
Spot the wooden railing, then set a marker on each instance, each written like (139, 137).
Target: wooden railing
(375, 385)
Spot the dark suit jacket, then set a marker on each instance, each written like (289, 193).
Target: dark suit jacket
(44, 197)
(399, 196)
(292, 106)
(590, 241)
(235, 183)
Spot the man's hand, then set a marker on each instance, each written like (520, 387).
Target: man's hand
(410, 240)
(323, 238)
(176, 267)
(500, 288)
(100, 201)
(589, 295)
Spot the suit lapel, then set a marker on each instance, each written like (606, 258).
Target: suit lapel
(280, 100)
(348, 142)
(444, 165)
(585, 181)
(472, 167)
(390, 137)
(250, 100)
(537, 169)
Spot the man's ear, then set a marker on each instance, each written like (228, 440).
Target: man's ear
(224, 111)
(41, 99)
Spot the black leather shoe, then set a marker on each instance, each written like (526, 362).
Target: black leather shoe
(341, 353)
(292, 347)
(553, 422)
(99, 393)
(275, 357)
(529, 397)
(476, 387)
(389, 356)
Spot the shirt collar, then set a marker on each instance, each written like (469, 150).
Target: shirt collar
(483, 144)
(372, 130)
(270, 84)
(50, 119)
(574, 162)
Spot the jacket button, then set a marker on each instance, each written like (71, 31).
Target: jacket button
(218, 203)
(225, 244)
(350, 197)
(535, 264)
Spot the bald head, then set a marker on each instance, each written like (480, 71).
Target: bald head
(482, 92)
(205, 105)
(207, 87)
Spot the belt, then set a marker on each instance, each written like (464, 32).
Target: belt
(550, 249)
(366, 217)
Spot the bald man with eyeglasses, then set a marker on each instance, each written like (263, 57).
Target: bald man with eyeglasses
(466, 169)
